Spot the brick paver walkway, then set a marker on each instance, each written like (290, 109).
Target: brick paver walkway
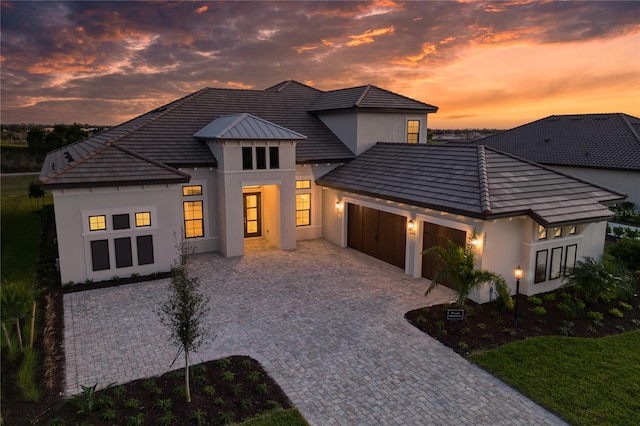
(327, 324)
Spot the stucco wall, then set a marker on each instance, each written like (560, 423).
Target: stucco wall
(345, 126)
(73, 206)
(211, 239)
(312, 172)
(627, 182)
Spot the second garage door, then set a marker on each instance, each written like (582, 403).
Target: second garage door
(379, 234)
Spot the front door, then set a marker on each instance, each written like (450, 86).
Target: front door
(252, 222)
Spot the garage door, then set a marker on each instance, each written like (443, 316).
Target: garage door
(379, 234)
(436, 235)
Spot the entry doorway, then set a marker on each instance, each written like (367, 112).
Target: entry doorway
(252, 215)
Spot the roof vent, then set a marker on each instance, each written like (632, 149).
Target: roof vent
(68, 157)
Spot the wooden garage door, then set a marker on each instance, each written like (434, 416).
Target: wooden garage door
(378, 234)
(436, 235)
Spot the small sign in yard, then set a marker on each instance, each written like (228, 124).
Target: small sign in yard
(455, 314)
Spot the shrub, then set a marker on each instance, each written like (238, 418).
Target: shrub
(208, 390)
(223, 362)
(262, 388)
(132, 403)
(566, 328)
(571, 307)
(625, 306)
(109, 415)
(591, 279)
(86, 402)
(420, 320)
(163, 404)
(26, 373)
(534, 300)
(463, 346)
(596, 317)
(167, 419)
(136, 420)
(549, 297)
(539, 310)
(197, 417)
(228, 376)
(616, 312)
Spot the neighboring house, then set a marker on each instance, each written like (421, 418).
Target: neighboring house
(601, 148)
(291, 163)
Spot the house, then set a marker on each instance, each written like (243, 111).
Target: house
(292, 162)
(601, 148)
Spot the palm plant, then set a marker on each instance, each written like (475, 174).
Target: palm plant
(457, 270)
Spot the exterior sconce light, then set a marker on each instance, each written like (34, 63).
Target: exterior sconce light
(412, 226)
(517, 273)
(477, 243)
(339, 206)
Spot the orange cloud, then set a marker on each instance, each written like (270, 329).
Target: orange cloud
(413, 60)
(202, 9)
(368, 36)
(300, 49)
(239, 85)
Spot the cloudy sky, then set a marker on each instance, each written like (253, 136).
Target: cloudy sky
(485, 64)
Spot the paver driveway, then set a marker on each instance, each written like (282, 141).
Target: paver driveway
(327, 324)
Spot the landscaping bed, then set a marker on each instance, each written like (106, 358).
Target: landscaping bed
(559, 313)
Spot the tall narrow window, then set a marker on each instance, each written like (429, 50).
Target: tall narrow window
(97, 223)
(303, 209)
(541, 266)
(261, 158)
(143, 219)
(123, 252)
(145, 249)
(556, 259)
(193, 219)
(100, 255)
(247, 158)
(274, 157)
(413, 131)
(570, 259)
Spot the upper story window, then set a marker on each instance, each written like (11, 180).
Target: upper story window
(542, 232)
(98, 223)
(120, 221)
(260, 158)
(143, 219)
(413, 131)
(247, 158)
(192, 190)
(303, 184)
(274, 157)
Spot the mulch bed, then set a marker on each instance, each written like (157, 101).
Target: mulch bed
(490, 325)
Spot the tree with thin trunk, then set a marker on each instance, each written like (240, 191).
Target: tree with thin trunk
(457, 270)
(185, 310)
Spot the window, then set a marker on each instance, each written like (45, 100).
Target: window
(303, 209)
(192, 190)
(557, 233)
(556, 259)
(261, 158)
(123, 252)
(97, 223)
(120, 221)
(303, 184)
(573, 230)
(413, 131)
(100, 255)
(144, 218)
(247, 158)
(541, 266)
(542, 232)
(145, 249)
(193, 219)
(570, 259)
(274, 157)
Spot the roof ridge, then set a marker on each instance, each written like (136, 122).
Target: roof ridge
(241, 116)
(284, 86)
(151, 160)
(630, 126)
(483, 179)
(362, 96)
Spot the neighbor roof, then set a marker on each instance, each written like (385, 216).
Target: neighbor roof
(603, 141)
(473, 181)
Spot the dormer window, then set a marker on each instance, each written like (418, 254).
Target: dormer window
(413, 131)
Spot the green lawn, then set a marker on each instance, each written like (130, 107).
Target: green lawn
(585, 381)
(290, 417)
(20, 229)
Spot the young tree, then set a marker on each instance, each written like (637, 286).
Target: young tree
(185, 310)
(457, 270)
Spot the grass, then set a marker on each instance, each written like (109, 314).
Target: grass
(278, 417)
(20, 236)
(584, 380)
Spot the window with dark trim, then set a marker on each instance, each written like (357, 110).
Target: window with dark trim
(556, 262)
(120, 221)
(143, 219)
(573, 230)
(541, 266)
(303, 209)
(97, 223)
(274, 157)
(190, 190)
(100, 255)
(303, 184)
(261, 157)
(124, 257)
(413, 131)
(193, 219)
(542, 232)
(557, 233)
(145, 249)
(570, 259)
(247, 158)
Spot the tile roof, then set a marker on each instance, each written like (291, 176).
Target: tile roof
(245, 126)
(603, 141)
(473, 181)
(166, 134)
(368, 96)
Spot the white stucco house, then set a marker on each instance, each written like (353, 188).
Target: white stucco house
(292, 162)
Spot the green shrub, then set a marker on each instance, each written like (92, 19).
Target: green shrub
(625, 306)
(591, 279)
(109, 415)
(463, 346)
(208, 390)
(223, 362)
(571, 306)
(132, 403)
(87, 401)
(163, 404)
(549, 297)
(136, 420)
(228, 376)
(596, 317)
(534, 300)
(539, 310)
(197, 417)
(26, 374)
(167, 419)
(616, 312)
(627, 252)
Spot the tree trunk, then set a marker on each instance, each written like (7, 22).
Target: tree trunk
(186, 375)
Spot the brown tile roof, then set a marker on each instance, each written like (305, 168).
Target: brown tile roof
(473, 181)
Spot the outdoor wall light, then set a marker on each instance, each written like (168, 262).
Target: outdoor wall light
(412, 226)
(518, 273)
(477, 243)
(339, 206)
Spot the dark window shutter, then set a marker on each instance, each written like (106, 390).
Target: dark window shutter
(123, 252)
(100, 255)
(145, 249)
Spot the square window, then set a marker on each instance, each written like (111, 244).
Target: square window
(247, 158)
(303, 184)
(143, 219)
(97, 223)
(120, 221)
(274, 157)
(261, 158)
(192, 190)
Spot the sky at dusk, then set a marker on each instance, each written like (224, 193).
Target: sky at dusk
(484, 64)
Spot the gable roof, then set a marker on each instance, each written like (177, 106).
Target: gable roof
(602, 141)
(245, 126)
(472, 181)
(364, 97)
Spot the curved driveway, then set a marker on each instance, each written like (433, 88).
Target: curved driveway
(327, 324)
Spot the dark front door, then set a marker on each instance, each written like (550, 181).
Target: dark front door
(252, 220)
(437, 235)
